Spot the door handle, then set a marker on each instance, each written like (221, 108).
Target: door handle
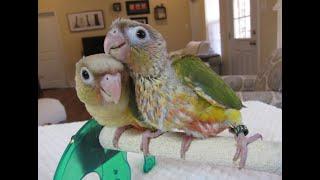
(252, 43)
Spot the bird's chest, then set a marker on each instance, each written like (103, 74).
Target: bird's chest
(160, 104)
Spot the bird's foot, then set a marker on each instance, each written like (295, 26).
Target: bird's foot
(146, 136)
(186, 141)
(242, 150)
(118, 133)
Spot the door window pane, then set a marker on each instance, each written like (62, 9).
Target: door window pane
(236, 28)
(242, 7)
(235, 9)
(241, 19)
(248, 27)
(242, 27)
(247, 8)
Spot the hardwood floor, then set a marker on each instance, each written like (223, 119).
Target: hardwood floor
(75, 109)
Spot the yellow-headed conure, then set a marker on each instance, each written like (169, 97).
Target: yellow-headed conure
(103, 85)
(180, 93)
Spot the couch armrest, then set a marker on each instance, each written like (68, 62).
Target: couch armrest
(241, 82)
(269, 97)
(177, 52)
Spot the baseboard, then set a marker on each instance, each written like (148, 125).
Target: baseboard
(71, 84)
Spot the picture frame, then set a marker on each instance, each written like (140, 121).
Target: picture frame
(137, 7)
(116, 7)
(143, 20)
(160, 12)
(86, 20)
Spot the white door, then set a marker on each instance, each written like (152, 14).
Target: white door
(51, 69)
(243, 51)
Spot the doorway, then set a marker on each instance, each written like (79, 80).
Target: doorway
(51, 70)
(242, 37)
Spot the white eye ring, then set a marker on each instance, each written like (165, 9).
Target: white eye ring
(132, 34)
(114, 31)
(86, 76)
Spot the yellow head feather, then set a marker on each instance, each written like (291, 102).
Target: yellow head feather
(106, 114)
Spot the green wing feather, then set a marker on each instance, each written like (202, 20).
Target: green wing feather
(209, 85)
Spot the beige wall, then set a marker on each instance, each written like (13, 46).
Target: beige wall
(224, 26)
(176, 29)
(268, 31)
(197, 20)
(186, 21)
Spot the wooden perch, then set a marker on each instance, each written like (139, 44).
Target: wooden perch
(262, 155)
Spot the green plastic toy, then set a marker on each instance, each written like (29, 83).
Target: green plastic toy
(85, 155)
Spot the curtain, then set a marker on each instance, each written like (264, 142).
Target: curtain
(212, 14)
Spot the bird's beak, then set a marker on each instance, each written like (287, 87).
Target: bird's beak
(116, 45)
(110, 87)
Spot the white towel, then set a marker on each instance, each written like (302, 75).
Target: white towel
(263, 155)
(259, 117)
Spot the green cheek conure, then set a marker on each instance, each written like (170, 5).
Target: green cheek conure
(181, 93)
(103, 85)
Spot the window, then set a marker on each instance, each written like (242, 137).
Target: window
(241, 19)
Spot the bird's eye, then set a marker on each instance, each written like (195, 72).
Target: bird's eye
(141, 34)
(86, 76)
(138, 35)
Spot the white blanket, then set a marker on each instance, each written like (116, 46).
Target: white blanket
(259, 117)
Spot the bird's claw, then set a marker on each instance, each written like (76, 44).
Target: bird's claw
(146, 136)
(186, 141)
(144, 146)
(115, 143)
(242, 149)
(118, 133)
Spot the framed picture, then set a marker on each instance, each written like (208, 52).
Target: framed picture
(86, 21)
(143, 20)
(160, 12)
(137, 7)
(116, 7)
